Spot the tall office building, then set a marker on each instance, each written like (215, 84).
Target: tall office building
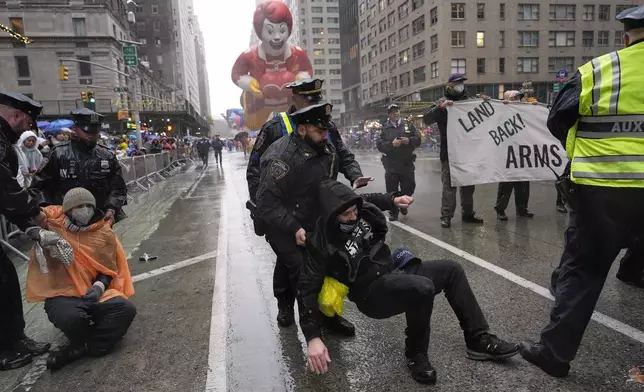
(202, 73)
(350, 56)
(409, 48)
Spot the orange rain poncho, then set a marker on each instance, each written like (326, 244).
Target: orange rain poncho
(96, 251)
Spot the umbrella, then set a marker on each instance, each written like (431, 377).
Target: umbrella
(42, 124)
(132, 137)
(241, 135)
(154, 137)
(57, 125)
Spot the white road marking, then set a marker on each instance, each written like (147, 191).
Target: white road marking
(197, 182)
(175, 266)
(601, 318)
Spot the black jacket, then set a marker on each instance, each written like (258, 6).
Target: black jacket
(15, 202)
(203, 147)
(439, 116)
(326, 254)
(72, 164)
(272, 131)
(217, 145)
(291, 175)
(398, 159)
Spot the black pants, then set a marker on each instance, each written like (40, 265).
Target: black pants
(12, 322)
(608, 220)
(287, 267)
(100, 325)
(412, 292)
(218, 156)
(403, 182)
(521, 195)
(560, 200)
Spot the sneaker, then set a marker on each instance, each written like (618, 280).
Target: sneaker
(501, 216)
(531, 352)
(446, 223)
(339, 325)
(65, 356)
(421, 369)
(285, 316)
(30, 346)
(404, 211)
(11, 359)
(561, 209)
(488, 347)
(471, 218)
(525, 214)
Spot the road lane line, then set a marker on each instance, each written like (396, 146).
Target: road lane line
(601, 318)
(175, 266)
(197, 181)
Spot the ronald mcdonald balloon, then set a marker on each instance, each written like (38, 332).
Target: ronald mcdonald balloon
(263, 71)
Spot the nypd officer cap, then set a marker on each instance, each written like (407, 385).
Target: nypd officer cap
(87, 120)
(318, 115)
(633, 18)
(23, 103)
(392, 107)
(310, 89)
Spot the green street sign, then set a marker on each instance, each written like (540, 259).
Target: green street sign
(556, 87)
(121, 89)
(130, 56)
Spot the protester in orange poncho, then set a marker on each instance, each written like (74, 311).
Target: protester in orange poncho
(95, 287)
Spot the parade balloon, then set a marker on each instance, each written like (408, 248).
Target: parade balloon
(263, 71)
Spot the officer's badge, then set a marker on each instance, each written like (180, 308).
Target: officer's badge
(328, 109)
(318, 84)
(260, 140)
(279, 170)
(105, 164)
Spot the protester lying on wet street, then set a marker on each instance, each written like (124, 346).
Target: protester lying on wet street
(87, 296)
(349, 245)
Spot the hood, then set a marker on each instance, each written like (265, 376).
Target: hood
(335, 197)
(24, 136)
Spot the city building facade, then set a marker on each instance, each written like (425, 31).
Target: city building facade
(202, 73)
(350, 55)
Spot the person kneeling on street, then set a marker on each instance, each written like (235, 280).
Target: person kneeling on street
(87, 298)
(349, 245)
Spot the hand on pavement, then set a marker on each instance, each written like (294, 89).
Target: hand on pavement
(403, 201)
(362, 181)
(445, 103)
(300, 237)
(318, 356)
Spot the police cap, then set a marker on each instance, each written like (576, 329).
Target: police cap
(87, 120)
(633, 18)
(309, 89)
(23, 103)
(392, 107)
(318, 115)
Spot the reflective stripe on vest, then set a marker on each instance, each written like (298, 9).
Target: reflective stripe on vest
(287, 125)
(606, 145)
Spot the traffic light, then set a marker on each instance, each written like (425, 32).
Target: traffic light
(169, 127)
(90, 97)
(63, 73)
(84, 96)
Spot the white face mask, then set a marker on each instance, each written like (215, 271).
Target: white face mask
(82, 215)
(459, 88)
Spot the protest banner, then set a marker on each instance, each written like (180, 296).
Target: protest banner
(490, 142)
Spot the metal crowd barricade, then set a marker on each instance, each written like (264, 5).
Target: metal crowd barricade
(6, 235)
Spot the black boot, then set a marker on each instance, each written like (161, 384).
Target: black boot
(30, 346)
(446, 223)
(561, 209)
(404, 211)
(525, 213)
(421, 369)
(488, 347)
(471, 218)
(11, 359)
(65, 355)
(339, 325)
(636, 279)
(500, 215)
(532, 352)
(393, 216)
(285, 314)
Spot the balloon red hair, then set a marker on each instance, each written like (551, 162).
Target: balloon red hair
(275, 12)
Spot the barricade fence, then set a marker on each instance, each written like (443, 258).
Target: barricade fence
(140, 172)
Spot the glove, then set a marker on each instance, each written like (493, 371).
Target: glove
(94, 293)
(34, 233)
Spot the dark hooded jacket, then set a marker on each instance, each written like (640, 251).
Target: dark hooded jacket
(439, 116)
(327, 255)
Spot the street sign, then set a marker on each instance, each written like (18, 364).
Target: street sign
(121, 89)
(556, 87)
(130, 56)
(562, 75)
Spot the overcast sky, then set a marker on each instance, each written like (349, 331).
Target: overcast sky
(226, 25)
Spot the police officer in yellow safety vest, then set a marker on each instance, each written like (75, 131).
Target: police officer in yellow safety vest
(599, 115)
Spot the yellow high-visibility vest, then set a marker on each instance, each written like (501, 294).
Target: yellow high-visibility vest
(606, 144)
(287, 125)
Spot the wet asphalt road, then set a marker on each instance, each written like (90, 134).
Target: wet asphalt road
(168, 345)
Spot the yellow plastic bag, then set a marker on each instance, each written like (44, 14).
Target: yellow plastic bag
(331, 297)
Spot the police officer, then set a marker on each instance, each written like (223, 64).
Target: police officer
(291, 171)
(397, 142)
(82, 163)
(604, 99)
(306, 92)
(18, 113)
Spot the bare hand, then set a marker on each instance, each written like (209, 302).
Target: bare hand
(109, 216)
(397, 143)
(445, 103)
(41, 220)
(483, 97)
(362, 181)
(300, 237)
(405, 140)
(535, 103)
(403, 201)
(318, 356)
(505, 101)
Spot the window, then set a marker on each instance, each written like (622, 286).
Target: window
(528, 39)
(433, 70)
(365, 94)
(619, 38)
(383, 86)
(334, 19)
(333, 41)
(317, 10)
(382, 25)
(458, 66)
(562, 12)
(417, 4)
(393, 84)
(480, 39)
(403, 57)
(586, 59)
(381, 5)
(433, 16)
(332, 9)
(403, 34)
(587, 38)
(588, 12)
(604, 12)
(392, 62)
(364, 77)
(433, 43)
(85, 69)
(418, 24)
(383, 66)
(561, 38)
(155, 9)
(480, 66)
(319, 72)
(334, 51)
(159, 59)
(391, 19)
(17, 25)
(602, 38)
(419, 75)
(319, 61)
(317, 30)
(22, 66)
(79, 27)
(317, 19)
(335, 71)
(391, 40)
(156, 25)
(318, 41)
(501, 39)
(528, 11)
(383, 46)
(334, 30)
(558, 63)
(403, 10)
(527, 65)
(480, 11)
(502, 11)
(303, 32)
(458, 39)
(418, 50)
(404, 79)
(621, 7)
(502, 65)
(335, 61)
(458, 11)
(318, 52)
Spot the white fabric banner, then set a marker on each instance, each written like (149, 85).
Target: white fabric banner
(489, 142)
